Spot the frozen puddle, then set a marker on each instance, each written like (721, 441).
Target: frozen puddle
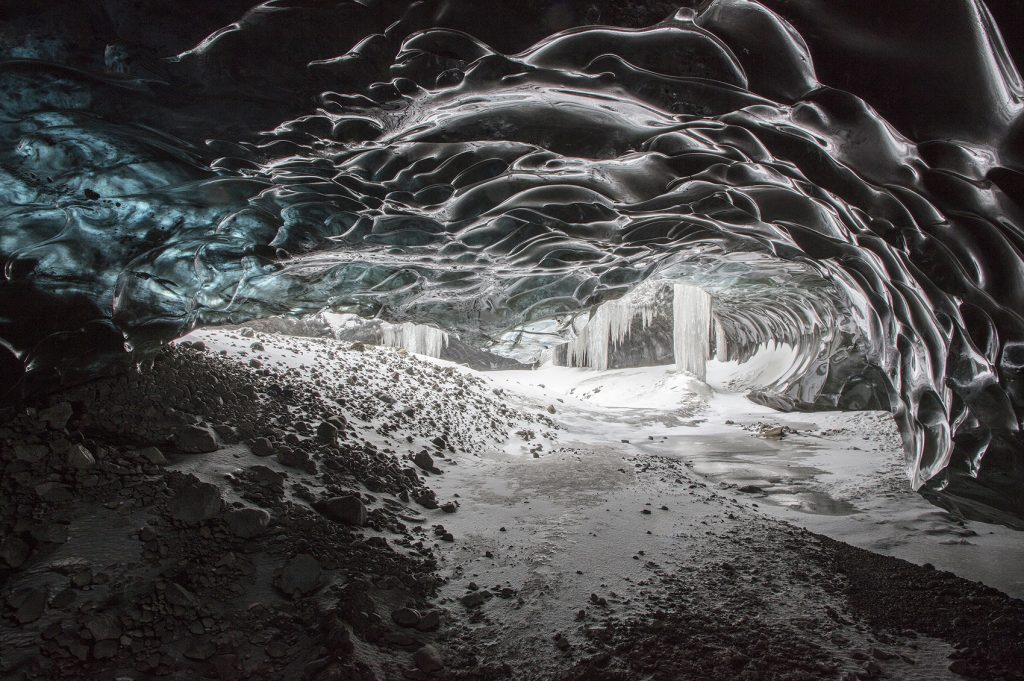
(840, 474)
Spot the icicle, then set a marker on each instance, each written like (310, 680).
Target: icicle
(721, 343)
(691, 328)
(609, 326)
(416, 338)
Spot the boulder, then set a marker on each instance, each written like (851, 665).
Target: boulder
(427, 659)
(247, 522)
(349, 510)
(261, 446)
(327, 433)
(196, 440)
(57, 416)
(196, 501)
(53, 492)
(301, 575)
(424, 460)
(152, 455)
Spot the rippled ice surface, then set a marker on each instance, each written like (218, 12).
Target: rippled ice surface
(497, 172)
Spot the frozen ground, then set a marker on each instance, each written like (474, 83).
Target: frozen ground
(840, 474)
(262, 506)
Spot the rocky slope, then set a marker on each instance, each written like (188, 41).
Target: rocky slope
(266, 507)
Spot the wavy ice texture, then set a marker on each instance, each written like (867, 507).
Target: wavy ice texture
(495, 171)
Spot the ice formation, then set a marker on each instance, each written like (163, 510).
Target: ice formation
(417, 338)
(609, 327)
(422, 163)
(691, 329)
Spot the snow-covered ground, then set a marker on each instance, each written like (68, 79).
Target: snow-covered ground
(837, 473)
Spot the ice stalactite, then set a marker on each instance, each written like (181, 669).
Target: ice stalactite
(721, 342)
(607, 329)
(416, 338)
(691, 328)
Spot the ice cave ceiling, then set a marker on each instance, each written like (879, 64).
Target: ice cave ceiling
(845, 176)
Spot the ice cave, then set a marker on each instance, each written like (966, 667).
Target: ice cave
(555, 340)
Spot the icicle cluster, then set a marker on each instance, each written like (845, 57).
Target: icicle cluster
(608, 327)
(691, 329)
(416, 338)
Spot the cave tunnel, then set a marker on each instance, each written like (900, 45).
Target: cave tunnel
(352, 339)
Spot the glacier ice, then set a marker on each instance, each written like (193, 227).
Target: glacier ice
(415, 164)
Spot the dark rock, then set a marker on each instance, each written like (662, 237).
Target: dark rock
(28, 604)
(176, 594)
(57, 416)
(14, 551)
(428, 659)
(196, 501)
(450, 506)
(301, 575)
(30, 453)
(152, 455)
(295, 458)
(247, 522)
(53, 492)
(751, 489)
(424, 461)
(349, 510)
(327, 433)
(200, 648)
(261, 446)
(196, 440)
(104, 650)
(79, 457)
(473, 600)
(406, 617)
(103, 627)
(430, 621)
(53, 533)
